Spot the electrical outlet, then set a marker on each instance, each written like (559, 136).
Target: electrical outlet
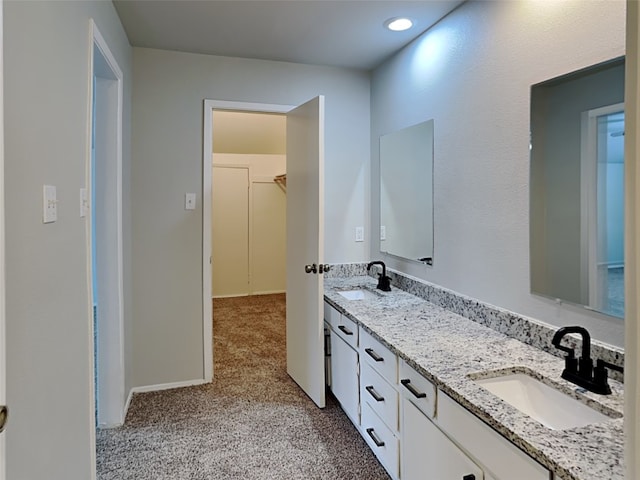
(383, 232)
(190, 201)
(359, 234)
(49, 204)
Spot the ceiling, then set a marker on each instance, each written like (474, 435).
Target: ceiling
(342, 33)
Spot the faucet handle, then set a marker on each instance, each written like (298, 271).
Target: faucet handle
(600, 375)
(604, 365)
(571, 363)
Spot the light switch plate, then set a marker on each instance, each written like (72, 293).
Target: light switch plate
(49, 204)
(190, 201)
(359, 234)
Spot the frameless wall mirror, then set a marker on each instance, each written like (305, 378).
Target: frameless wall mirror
(577, 188)
(406, 193)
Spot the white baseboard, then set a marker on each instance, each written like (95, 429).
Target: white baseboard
(267, 292)
(127, 404)
(167, 386)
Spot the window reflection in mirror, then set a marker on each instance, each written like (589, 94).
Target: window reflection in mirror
(406, 193)
(577, 188)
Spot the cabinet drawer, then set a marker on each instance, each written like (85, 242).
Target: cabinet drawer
(346, 328)
(330, 313)
(380, 396)
(383, 360)
(381, 440)
(417, 389)
(488, 447)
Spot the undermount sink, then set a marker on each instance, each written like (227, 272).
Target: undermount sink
(359, 294)
(552, 408)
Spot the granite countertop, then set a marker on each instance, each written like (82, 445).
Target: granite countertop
(446, 348)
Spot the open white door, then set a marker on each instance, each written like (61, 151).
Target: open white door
(3, 399)
(305, 247)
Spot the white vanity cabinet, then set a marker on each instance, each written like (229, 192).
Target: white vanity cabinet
(441, 437)
(379, 398)
(415, 430)
(428, 453)
(345, 368)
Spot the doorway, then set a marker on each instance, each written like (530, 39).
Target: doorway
(249, 204)
(211, 106)
(105, 234)
(304, 239)
(603, 207)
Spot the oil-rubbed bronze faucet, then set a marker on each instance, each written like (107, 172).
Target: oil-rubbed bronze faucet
(581, 371)
(384, 282)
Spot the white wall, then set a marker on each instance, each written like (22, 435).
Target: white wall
(49, 380)
(472, 73)
(167, 147)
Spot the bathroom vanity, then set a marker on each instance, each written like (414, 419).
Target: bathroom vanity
(417, 380)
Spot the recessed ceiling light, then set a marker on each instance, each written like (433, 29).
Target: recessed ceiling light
(398, 24)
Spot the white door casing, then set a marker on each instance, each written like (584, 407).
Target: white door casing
(591, 292)
(207, 167)
(106, 80)
(305, 246)
(632, 244)
(3, 398)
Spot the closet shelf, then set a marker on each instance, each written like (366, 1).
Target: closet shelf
(281, 179)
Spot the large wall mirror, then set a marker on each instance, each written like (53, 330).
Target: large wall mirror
(406, 193)
(577, 188)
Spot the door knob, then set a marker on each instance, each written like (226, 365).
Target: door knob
(311, 268)
(324, 268)
(4, 413)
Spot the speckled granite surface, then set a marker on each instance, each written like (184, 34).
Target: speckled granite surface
(446, 347)
(528, 330)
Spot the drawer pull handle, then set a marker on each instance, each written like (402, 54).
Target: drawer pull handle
(371, 352)
(469, 477)
(376, 396)
(376, 440)
(407, 383)
(345, 330)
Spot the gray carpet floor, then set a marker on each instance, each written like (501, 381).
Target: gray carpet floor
(252, 422)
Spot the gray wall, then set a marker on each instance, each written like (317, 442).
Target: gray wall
(169, 89)
(46, 48)
(472, 73)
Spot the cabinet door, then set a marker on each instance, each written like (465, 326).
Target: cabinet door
(428, 453)
(492, 450)
(344, 377)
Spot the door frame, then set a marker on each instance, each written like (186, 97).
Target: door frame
(3, 356)
(113, 376)
(588, 201)
(207, 151)
(632, 243)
